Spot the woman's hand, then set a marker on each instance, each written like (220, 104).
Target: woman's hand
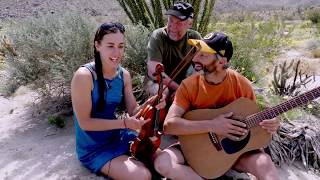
(134, 123)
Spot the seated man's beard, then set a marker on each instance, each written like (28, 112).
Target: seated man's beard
(198, 67)
(209, 68)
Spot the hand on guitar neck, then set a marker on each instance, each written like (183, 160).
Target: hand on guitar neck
(271, 125)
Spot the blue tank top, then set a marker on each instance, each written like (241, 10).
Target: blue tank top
(90, 144)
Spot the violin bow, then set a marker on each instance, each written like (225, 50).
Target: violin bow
(190, 55)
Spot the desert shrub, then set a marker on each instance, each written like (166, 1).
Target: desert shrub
(261, 102)
(239, 16)
(313, 107)
(313, 15)
(254, 43)
(289, 78)
(305, 25)
(57, 121)
(46, 51)
(137, 37)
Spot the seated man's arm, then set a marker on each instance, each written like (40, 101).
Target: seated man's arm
(176, 125)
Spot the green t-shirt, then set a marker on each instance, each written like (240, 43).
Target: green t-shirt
(169, 52)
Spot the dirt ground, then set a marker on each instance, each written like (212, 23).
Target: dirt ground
(30, 148)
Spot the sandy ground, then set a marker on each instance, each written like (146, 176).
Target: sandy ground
(32, 149)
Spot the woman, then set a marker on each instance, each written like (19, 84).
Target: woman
(97, 88)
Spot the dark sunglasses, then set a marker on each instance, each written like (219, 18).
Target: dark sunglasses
(107, 26)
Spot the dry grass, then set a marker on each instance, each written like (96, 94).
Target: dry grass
(297, 142)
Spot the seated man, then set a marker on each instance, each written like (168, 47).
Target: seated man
(168, 45)
(217, 87)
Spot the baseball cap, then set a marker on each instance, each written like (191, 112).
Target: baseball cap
(181, 10)
(215, 43)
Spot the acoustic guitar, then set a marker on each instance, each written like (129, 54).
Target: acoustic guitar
(211, 155)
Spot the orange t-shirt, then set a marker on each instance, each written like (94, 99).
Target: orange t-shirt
(196, 93)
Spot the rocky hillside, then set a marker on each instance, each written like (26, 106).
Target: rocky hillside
(25, 8)
(254, 5)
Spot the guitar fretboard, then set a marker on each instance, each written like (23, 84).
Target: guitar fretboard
(254, 119)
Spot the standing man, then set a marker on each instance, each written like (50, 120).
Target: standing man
(217, 87)
(168, 45)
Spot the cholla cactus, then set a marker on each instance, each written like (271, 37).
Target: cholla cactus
(151, 16)
(281, 83)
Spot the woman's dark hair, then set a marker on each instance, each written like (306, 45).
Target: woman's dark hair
(105, 28)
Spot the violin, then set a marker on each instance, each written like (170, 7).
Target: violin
(148, 141)
(149, 138)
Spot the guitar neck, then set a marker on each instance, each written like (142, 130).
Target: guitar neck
(254, 119)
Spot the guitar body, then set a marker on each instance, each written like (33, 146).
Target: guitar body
(203, 156)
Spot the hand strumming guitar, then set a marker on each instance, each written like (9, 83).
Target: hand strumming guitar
(229, 128)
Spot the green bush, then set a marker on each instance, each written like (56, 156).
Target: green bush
(47, 51)
(313, 15)
(255, 43)
(260, 99)
(57, 121)
(137, 37)
(313, 107)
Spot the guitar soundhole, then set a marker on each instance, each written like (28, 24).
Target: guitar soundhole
(231, 146)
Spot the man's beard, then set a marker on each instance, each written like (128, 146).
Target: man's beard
(198, 67)
(211, 68)
(175, 36)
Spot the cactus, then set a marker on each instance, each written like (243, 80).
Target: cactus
(150, 14)
(281, 85)
(205, 18)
